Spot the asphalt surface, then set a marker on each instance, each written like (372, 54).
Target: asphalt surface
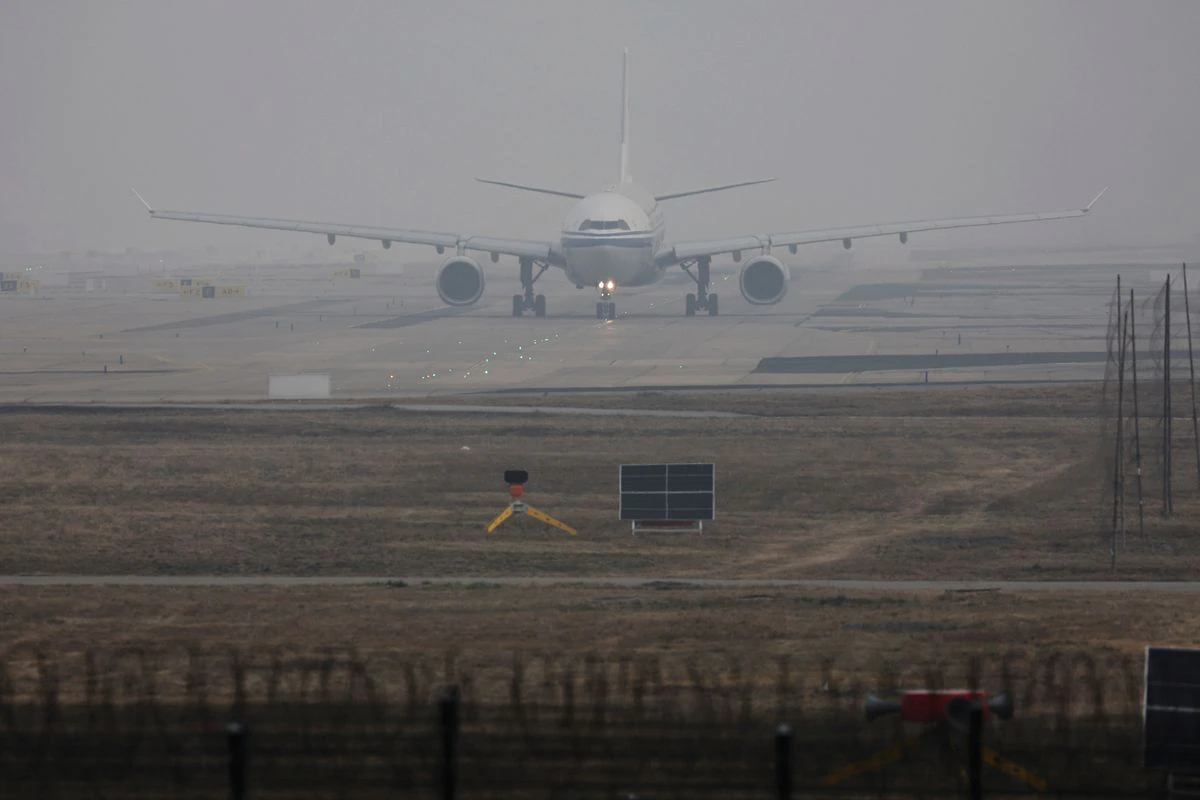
(615, 582)
(410, 407)
(844, 322)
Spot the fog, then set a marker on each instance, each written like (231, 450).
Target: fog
(384, 112)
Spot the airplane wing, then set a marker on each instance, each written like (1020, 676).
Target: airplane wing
(686, 251)
(522, 248)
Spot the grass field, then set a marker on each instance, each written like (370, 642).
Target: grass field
(954, 484)
(851, 636)
(947, 484)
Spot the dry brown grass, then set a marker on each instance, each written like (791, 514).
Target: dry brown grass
(849, 636)
(950, 484)
(905, 485)
(893, 485)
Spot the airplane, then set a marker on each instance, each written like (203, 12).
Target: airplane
(615, 238)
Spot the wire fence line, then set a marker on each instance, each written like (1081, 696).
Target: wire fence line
(1150, 437)
(338, 723)
(726, 685)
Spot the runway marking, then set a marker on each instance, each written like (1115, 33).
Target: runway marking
(235, 316)
(409, 320)
(920, 361)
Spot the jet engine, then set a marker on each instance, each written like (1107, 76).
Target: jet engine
(460, 281)
(764, 280)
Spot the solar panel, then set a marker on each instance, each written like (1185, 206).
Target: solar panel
(667, 492)
(1171, 710)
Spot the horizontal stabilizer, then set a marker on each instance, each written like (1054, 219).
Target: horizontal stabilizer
(555, 192)
(709, 189)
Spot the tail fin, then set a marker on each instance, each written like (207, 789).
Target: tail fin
(624, 176)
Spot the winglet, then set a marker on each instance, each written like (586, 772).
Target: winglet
(139, 197)
(1088, 207)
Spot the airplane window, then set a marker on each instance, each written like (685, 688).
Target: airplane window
(604, 225)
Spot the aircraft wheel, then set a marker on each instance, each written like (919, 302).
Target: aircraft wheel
(612, 311)
(599, 310)
(712, 305)
(689, 306)
(539, 305)
(518, 305)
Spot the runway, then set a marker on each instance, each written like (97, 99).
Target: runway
(412, 408)
(279, 581)
(386, 336)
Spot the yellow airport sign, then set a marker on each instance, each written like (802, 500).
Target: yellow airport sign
(231, 291)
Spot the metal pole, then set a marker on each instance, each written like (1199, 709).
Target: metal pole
(1137, 425)
(448, 705)
(783, 762)
(1168, 413)
(1116, 487)
(1121, 428)
(236, 735)
(1187, 314)
(975, 753)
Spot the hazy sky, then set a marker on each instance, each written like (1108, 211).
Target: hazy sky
(384, 112)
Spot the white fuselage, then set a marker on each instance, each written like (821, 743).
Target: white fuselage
(613, 236)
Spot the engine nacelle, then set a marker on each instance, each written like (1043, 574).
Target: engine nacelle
(460, 281)
(764, 280)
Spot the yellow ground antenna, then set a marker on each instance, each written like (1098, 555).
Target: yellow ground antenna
(516, 480)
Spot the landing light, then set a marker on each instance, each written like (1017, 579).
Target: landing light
(600, 285)
(611, 286)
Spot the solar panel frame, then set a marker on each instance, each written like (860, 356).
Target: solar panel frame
(1171, 709)
(667, 492)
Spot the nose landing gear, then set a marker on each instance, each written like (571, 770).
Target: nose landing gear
(702, 300)
(606, 309)
(528, 301)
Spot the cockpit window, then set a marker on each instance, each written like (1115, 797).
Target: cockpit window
(604, 225)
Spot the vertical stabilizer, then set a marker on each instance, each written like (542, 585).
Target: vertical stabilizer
(624, 176)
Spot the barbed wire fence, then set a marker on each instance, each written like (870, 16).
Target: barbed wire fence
(1148, 412)
(149, 722)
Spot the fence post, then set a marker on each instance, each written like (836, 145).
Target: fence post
(975, 753)
(236, 734)
(448, 704)
(783, 761)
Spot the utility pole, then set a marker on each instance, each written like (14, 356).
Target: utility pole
(1116, 488)
(1137, 425)
(1119, 459)
(1168, 414)
(1187, 314)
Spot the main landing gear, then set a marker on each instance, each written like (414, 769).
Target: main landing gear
(702, 300)
(606, 308)
(528, 301)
